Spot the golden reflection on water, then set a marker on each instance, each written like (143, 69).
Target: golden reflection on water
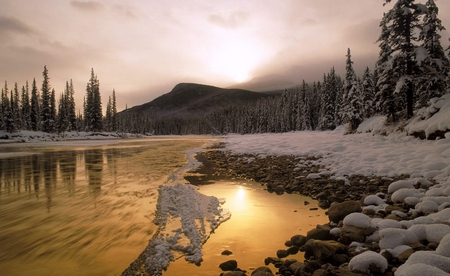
(82, 210)
(260, 224)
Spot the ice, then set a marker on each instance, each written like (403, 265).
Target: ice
(185, 218)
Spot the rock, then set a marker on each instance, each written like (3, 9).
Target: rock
(339, 211)
(298, 240)
(322, 250)
(292, 250)
(350, 233)
(288, 243)
(235, 273)
(228, 265)
(296, 268)
(338, 259)
(310, 267)
(279, 189)
(272, 260)
(324, 204)
(262, 271)
(226, 252)
(404, 256)
(282, 253)
(319, 234)
(306, 202)
(321, 272)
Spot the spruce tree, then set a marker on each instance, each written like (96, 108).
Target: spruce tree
(351, 100)
(47, 114)
(368, 93)
(435, 67)
(26, 107)
(35, 122)
(402, 21)
(72, 118)
(114, 112)
(93, 109)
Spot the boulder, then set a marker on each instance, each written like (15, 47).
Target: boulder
(228, 265)
(322, 250)
(321, 232)
(338, 211)
(298, 240)
(282, 253)
(350, 233)
(235, 273)
(262, 271)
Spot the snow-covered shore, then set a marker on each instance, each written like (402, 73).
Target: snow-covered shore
(389, 155)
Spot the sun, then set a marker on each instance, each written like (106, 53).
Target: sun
(235, 58)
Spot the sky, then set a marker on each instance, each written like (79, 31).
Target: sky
(143, 48)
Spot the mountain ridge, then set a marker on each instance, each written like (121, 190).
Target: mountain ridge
(194, 100)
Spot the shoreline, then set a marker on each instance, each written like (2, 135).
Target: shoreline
(280, 178)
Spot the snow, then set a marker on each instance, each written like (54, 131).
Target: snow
(358, 220)
(363, 261)
(373, 200)
(186, 218)
(389, 155)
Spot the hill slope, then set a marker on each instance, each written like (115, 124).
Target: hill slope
(191, 100)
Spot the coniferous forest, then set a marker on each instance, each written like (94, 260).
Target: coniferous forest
(412, 68)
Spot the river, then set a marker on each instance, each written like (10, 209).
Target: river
(86, 208)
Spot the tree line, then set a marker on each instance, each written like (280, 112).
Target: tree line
(411, 69)
(40, 112)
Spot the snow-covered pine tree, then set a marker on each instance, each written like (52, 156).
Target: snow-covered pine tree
(434, 63)
(63, 112)
(26, 107)
(35, 121)
(47, 118)
(368, 93)
(306, 108)
(107, 122)
(15, 107)
(351, 99)
(72, 118)
(93, 109)
(114, 112)
(403, 21)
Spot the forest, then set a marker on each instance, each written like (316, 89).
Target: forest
(412, 68)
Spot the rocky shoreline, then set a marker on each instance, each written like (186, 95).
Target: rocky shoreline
(328, 248)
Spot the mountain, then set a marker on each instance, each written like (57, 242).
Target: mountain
(191, 99)
(272, 82)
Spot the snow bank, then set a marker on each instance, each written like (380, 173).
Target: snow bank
(439, 121)
(185, 218)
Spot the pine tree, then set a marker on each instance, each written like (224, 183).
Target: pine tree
(114, 112)
(93, 109)
(107, 123)
(351, 100)
(47, 113)
(305, 107)
(71, 113)
(35, 121)
(15, 107)
(329, 94)
(63, 113)
(402, 22)
(368, 93)
(8, 103)
(26, 107)
(435, 67)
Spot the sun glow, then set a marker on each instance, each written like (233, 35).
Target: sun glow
(235, 57)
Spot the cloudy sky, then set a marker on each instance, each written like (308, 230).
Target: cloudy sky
(142, 48)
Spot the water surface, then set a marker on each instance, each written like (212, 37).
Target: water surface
(82, 208)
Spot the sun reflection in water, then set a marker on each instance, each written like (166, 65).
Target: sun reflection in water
(240, 199)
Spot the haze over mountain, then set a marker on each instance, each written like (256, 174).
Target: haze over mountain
(191, 100)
